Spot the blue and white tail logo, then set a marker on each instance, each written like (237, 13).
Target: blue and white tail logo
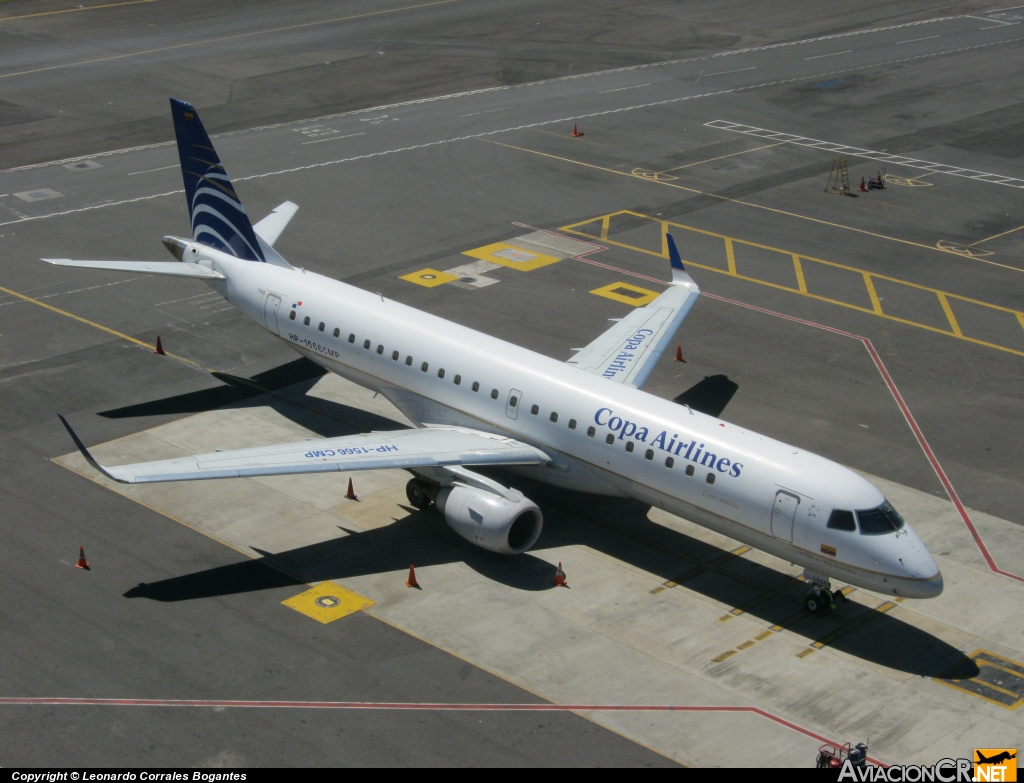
(218, 217)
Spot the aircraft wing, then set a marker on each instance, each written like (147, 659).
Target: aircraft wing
(173, 268)
(628, 351)
(419, 448)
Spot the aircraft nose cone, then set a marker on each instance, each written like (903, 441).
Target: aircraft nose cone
(923, 588)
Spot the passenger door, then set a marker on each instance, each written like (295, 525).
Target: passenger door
(783, 515)
(515, 397)
(270, 308)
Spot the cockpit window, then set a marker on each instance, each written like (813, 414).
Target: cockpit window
(842, 520)
(879, 521)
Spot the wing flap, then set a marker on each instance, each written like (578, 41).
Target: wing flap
(172, 268)
(432, 447)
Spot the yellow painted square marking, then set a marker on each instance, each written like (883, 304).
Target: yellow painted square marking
(804, 653)
(511, 256)
(428, 278)
(657, 590)
(762, 636)
(723, 656)
(745, 645)
(627, 293)
(328, 602)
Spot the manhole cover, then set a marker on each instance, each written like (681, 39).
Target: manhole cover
(467, 279)
(327, 601)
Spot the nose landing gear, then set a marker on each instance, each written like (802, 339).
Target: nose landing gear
(821, 599)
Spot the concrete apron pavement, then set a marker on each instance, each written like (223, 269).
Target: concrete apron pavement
(727, 631)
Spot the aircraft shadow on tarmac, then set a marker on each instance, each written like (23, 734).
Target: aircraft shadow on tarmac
(710, 395)
(282, 388)
(617, 527)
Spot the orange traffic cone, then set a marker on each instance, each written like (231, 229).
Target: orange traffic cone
(351, 494)
(560, 580)
(863, 186)
(411, 582)
(159, 347)
(679, 354)
(575, 132)
(81, 559)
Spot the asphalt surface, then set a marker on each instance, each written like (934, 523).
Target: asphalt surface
(387, 191)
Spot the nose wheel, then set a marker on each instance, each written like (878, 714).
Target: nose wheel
(821, 600)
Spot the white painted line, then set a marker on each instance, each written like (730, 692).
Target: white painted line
(833, 54)
(1003, 24)
(489, 111)
(738, 70)
(857, 152)
(481, 91)
(983, 19)
(617, 89)
(997, 10)
(333, 138)
(911, 40)
(717, 123)
(150, 171)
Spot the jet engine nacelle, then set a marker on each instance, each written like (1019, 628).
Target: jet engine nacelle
(507, 524)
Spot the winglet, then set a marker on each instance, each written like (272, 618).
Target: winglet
(673, 254)
(679, 275)
(86, 454)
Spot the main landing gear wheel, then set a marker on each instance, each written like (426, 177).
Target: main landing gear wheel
(417, 494)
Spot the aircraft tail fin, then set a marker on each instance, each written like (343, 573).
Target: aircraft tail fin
(218, 217)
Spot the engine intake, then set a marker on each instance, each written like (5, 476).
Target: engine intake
(507, 525)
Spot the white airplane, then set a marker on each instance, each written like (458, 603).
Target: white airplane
(584, 424)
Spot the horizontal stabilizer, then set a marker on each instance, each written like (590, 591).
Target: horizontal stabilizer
(421, 448)
(172, 268)
(270, 228)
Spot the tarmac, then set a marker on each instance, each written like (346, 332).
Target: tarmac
(884, 330)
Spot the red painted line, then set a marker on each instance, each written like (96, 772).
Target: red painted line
(900, 402)
(911, 422)
(44, 701)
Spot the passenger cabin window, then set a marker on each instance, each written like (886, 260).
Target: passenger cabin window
(554, 416)
(534, 409)
(591, 432)
(337, 332)
(366, 344)
(321, 326)
(842, 520)
(380, 350)
(572, 424)
(629, 446)
(305, 321)
(440, 373)
(494, 394)
(424, 366)
(408, 361)
(476, 386)
(649, 454)
(351, 338)
(879, 521)
(457, 380)
(711, 478)
(394, 356)
(669, 462)
(610, 439)
(689, 470)
(291, 315)
(513, 401)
